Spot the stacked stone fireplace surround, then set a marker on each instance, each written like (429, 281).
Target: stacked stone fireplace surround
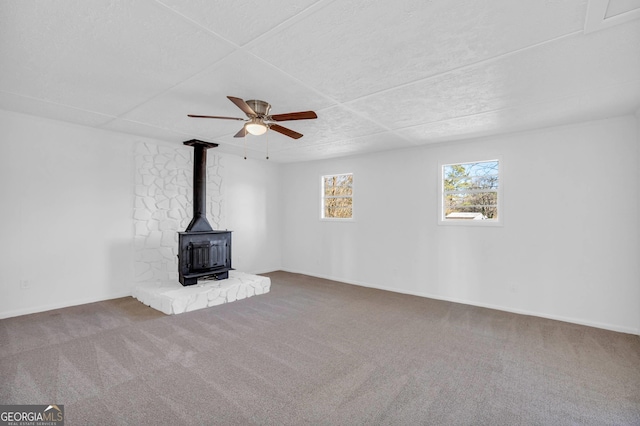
(163, 207)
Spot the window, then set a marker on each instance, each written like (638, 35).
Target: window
(471, 193)
(337, 196)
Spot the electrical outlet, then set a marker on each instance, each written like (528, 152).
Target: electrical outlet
(24, 283)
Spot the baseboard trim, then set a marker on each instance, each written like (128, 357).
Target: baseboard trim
(595, 324)
(263, 271)
(45, 308)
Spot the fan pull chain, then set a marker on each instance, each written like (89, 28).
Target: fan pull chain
(268, 143)
(245, 145)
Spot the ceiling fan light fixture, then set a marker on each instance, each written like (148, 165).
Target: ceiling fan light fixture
(256, 127)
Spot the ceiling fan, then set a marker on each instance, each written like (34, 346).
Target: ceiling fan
(260, 120)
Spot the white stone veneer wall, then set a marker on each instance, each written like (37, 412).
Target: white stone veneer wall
(163, 206)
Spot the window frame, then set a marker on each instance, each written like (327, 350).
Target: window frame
(323, 197)
(460, 222)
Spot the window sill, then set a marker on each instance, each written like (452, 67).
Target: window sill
(478, 223)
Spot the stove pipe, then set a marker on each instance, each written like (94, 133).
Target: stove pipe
(199, 223)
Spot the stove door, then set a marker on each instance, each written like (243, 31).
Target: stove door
(207, 255)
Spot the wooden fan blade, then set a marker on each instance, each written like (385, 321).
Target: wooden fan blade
(302, 115)
(287, 132)
(242, 105)
(242, 133)
(214, 116)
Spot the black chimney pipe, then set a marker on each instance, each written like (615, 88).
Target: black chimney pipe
(199, 223)
(202, 252)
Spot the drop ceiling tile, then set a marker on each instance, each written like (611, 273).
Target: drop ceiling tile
(335, 124)
(458, 128)
(619, 7)
(240, 151)
(611, 101)
(350, 49)
(366, 144)
(431, 71)
(140, 129)
(101, 56)
(570, 66)
(40, 108)
(603, 14)
(241, 75)
(239, 21)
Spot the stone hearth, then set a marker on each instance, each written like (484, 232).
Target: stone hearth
(173, 298)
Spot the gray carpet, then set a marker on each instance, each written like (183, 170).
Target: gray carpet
(314, 351)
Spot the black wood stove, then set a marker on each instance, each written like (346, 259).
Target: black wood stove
(202, 252)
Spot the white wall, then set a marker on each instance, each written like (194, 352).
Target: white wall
(69, 189)
(569, 247)
(252, 203)
(66, 216)
(638, 142)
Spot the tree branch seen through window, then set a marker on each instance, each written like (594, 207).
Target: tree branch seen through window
(470, 191)
(337, 196)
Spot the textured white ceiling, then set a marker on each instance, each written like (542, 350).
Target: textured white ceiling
(380, 75)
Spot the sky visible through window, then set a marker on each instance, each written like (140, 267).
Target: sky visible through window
(471, 191)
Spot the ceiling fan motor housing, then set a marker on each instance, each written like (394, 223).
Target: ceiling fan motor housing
(261, 108)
